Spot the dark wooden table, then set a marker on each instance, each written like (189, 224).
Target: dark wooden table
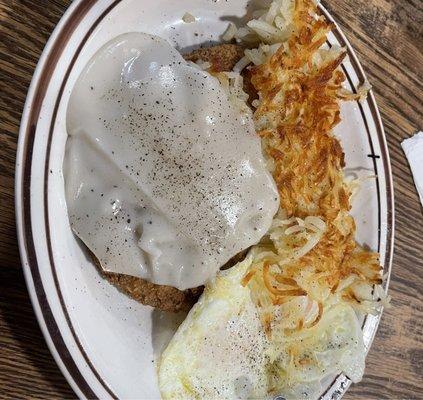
(388, 37)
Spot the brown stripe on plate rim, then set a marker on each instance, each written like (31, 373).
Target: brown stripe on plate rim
(54, 55)
(46, 196)
(385, 157)
(339, 35)
(383, 147)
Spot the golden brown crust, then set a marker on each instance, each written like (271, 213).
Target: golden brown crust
(302, 100)
(222, 57)
(167, 298)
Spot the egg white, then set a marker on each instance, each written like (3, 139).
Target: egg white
(221, 351)
(218, 351)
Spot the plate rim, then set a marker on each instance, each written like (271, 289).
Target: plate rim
(51, 54)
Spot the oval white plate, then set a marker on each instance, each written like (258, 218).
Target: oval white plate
(104, 342)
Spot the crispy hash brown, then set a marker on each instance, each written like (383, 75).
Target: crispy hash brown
(300, 91)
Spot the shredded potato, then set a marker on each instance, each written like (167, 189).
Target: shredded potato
(233, 84)
(309, 261)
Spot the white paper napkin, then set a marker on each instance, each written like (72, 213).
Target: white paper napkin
(413, 149)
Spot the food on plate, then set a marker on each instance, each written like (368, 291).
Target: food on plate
(221, 57)
(222, 350)
(166, 298)
(287, 317)
(163, 297)
(219, 350)
(220, 168)
(165, 176)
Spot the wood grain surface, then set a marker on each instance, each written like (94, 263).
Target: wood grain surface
(388, 37)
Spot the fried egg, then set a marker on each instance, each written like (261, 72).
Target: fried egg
(165, 177)
(222, 352)
(219, 350)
